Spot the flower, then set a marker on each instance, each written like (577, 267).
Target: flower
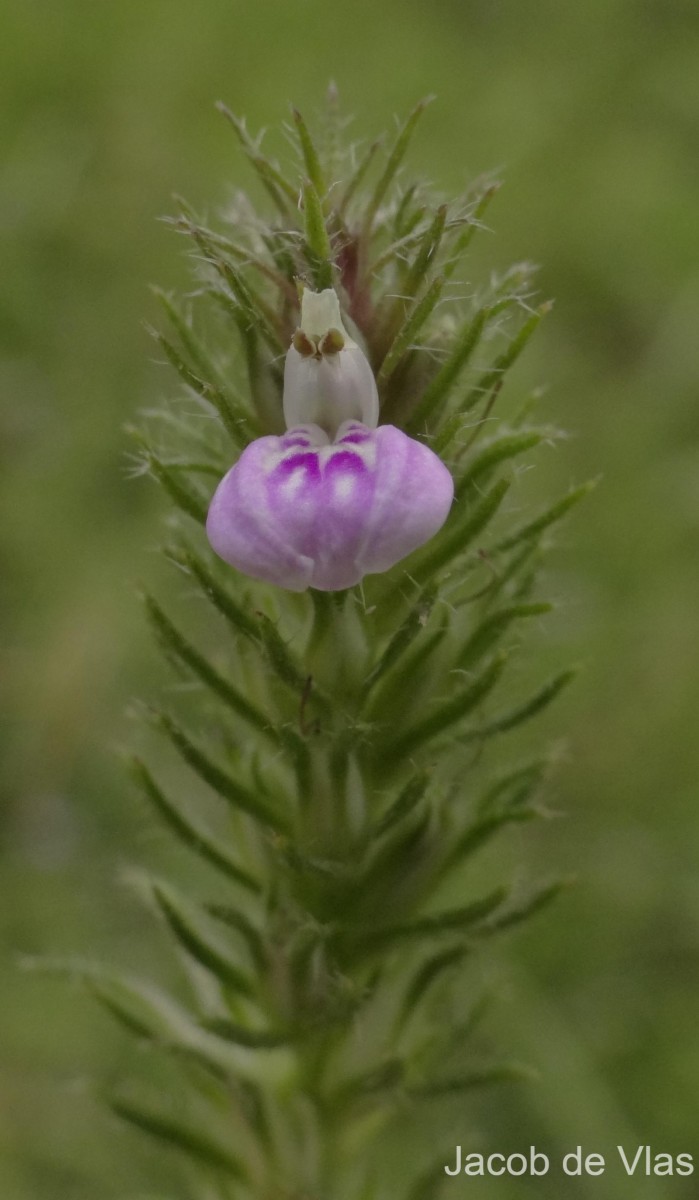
(327, 379)
(335, 498)
(301, 511)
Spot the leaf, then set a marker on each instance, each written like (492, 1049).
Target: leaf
(490, 380)
(190, 832)
(395, 159)
(491, 630)
(409, 330)
(533, 528)
(459, 533)
(497, 1073)
(429, 973)
(537, 899)
(385, 1077)
(475, 223)
(438, 390)
(175, 642)
(246, 307)
(237, 617)
(522, 712)
(402, 639)
(199, 941)
(408, 798)
(235, 919)
(281, 192)
(195, 1143)
(317, 240)
(188, 499)
(357, 178)
(481, 832)
(280, 657)
(465, 917)
(205, 378)
(311, 160)
(445, 715)
(514, 788)
(391, 860)
(499, 450)
(149, 1013)
(253, 1039)
(237, 794)
(427, 251)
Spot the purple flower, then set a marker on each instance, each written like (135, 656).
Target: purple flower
(303, 510)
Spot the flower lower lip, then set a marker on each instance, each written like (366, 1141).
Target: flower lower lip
(300, 511)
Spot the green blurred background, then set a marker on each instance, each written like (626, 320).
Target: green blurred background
(592, 113)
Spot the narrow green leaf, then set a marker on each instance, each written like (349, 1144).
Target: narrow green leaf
(314, 171)
(464, 241)
(533, 528)
(395, 159)
(237, 794)
(459, 533)
(196, 1144)
(237, 617)
(438, 390)
(216, 470)
(175, 643)
(235, 919)
(154, 1016)
(492, 629)
(533, 903)
(411, 672)
(218, 248)
(465, 917)
(317, 240)
(258, 629)
(280, 190)
(245, 306)
(254, 1039)
(514, 788)
(200, 942)
(403, 210)
(499, 450)
(491, 380)
(280, 657)
(205, 378)
(522, 712)
(480, 833)
(499, 1073)
(428, 974)
(183, 495)
(445, 715)
(402, 639)
(406, 800)
(427, 251)
(385, 1077)
(357, 178)
(409, 330)
(508, 358)
(190, 832)
(401, 849)
(505, 580)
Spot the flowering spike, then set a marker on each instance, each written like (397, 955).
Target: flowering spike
(338, 730)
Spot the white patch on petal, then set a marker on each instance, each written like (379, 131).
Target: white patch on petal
(344, 486)
(293, 484)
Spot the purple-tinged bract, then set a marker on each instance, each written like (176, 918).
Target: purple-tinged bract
(301, 511)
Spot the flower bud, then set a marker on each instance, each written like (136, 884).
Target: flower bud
(327, 379)
(304, 511)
